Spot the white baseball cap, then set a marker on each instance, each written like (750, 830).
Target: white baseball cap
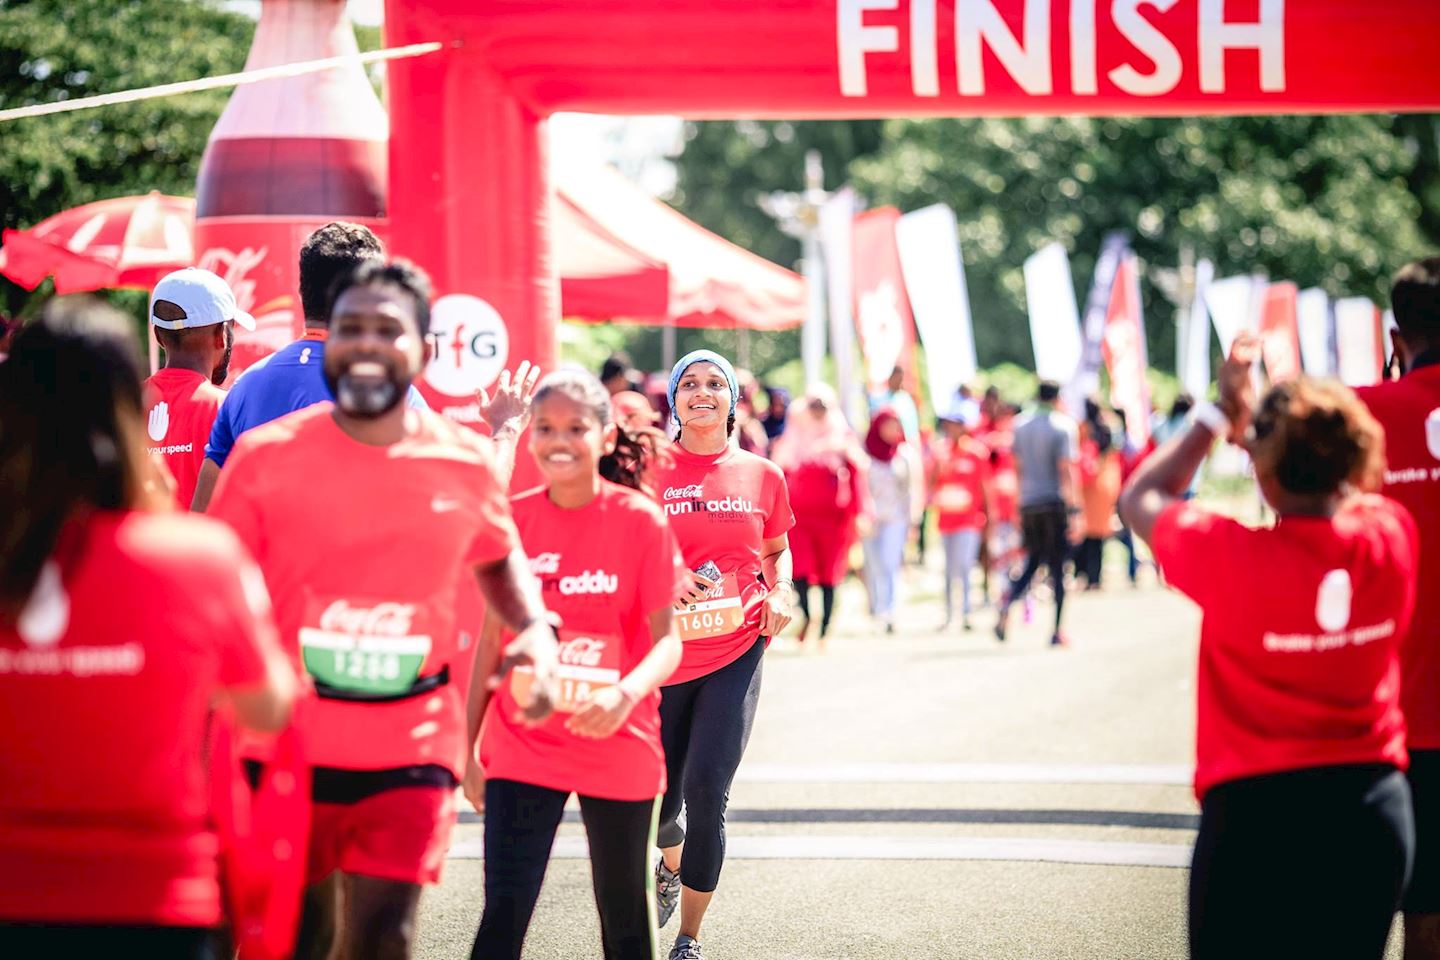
(203, 296)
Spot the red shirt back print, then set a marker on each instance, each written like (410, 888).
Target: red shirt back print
(1300, 637)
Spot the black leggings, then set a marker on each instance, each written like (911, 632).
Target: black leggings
(60, 940)
(704, 725)
(520, 824)
(827, 603)
(1046, 542)
(1310, 863)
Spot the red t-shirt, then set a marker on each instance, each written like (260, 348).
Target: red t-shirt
(362, 548)
(180, 408)
(1004, 478)
(603, 569)
(962, 475)
(1300, 640)
(105, 686)
(722, 507)
(1409, 410)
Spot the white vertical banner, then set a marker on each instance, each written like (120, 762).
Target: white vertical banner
(813, 334)
(1195, 371)
(1312, 310)
(837, 245)
(1357, 341)
(1054, 315)
(1388, 329)
(929, 243)
(1232, 303)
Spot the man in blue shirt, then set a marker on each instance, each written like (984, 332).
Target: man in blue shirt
(293, 377)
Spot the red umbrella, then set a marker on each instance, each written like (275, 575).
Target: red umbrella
(125, 242)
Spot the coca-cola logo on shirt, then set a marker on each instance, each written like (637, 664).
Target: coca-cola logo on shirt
(581, 652)
(381, 620)
(545, 563)
(692, 492)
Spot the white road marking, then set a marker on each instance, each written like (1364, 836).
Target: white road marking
(1157, 774)
(1097, 852)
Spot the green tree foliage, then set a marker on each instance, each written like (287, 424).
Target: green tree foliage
(725, 169)
(63, 49)
(1337, 202)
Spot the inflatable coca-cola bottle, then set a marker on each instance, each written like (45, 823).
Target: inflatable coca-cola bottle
(287, 156)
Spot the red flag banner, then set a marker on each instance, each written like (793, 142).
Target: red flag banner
(1280, 332)
(882, 307)
(1125, 352)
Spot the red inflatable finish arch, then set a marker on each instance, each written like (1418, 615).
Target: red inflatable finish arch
(468, 192)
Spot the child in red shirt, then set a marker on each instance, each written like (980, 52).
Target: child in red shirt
(610, 570)
(1306, 830)
(959, 482)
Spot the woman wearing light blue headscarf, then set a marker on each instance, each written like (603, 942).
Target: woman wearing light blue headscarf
(731, 516)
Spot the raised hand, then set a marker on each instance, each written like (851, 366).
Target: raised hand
(508, 408)
(1237, 385)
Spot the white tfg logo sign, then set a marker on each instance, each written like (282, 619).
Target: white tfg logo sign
(471, 345)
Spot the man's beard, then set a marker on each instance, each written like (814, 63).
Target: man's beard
(366, 397)
(222, 369)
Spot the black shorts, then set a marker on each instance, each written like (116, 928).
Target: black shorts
(61, 940)
(1044, 531)
(1424, 776)
(1308, 863)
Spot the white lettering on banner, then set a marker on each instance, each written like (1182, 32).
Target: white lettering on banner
(589, 582)
(977, 22)
(173, 448)
(924, 52)
(381, 620)
(1266, 35)
(1151, 43)
(465, 413)
(1082, 48)
(1027, 58)
(854, 40)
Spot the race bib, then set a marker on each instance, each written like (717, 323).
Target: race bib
(367, 648)
(716, 616)
(953, 498)
(587, 664)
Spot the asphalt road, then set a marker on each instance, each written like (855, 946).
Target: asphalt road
(928, 795)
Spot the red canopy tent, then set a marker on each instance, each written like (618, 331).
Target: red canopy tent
(126, 242)
(131, 242)
(601, 276)
(713, 283)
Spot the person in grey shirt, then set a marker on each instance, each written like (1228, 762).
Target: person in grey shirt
(1046, 446)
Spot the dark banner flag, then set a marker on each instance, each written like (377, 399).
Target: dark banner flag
(1086, 381)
